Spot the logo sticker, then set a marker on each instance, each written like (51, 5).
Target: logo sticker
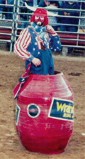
(33, 110)
(17, 114)
(62, 109)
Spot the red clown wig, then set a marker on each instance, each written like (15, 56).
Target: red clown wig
(40, 12)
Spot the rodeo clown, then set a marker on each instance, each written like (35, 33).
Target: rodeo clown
(36, 43)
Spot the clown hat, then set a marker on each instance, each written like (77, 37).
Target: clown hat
(49, 13)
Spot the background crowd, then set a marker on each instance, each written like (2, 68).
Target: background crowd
(66, 19)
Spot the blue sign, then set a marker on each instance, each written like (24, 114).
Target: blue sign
(62, 109)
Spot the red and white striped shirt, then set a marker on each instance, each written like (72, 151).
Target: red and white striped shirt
(22, 43)
(24, 40)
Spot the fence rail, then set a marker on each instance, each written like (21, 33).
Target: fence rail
(10, 28)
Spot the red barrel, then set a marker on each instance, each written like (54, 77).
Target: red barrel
(45, 113)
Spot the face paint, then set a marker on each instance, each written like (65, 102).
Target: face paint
(40, 17)
(39, 20)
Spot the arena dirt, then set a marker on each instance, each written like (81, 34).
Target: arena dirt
(11, 67)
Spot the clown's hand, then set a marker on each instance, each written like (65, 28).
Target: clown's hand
(50, 30)
(36, 61)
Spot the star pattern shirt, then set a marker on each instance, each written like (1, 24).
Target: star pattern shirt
(43, 39)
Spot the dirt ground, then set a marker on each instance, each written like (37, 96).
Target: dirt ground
(11, 67)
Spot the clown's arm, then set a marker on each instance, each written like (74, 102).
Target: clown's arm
(55, 43)
(21, 45)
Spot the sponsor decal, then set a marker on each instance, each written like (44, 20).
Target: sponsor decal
(33, 110)
(62, 109)
(17, 114)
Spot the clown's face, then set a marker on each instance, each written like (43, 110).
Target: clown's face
(40, 17)
(39, 20)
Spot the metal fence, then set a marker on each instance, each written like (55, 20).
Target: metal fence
(10, 26)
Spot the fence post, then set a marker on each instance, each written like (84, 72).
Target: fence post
(34, 2)
(13, 27)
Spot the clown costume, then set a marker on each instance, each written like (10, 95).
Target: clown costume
(36, 44)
